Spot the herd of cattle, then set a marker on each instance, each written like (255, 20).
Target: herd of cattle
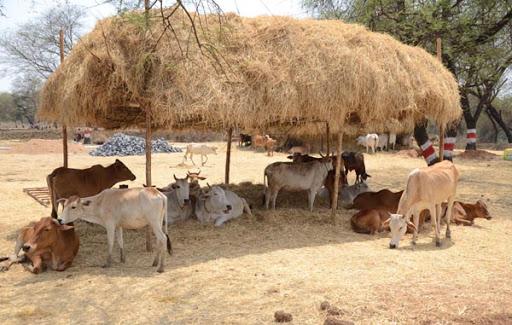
(87, 194)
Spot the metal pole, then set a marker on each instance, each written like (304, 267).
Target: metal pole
(228, 156)
(441, 128)
(64, 128)
(334, 203)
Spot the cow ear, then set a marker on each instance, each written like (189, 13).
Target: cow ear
(201, 178)
(386, 222)
(175, 178)
(66, 227)
(86, 202)
(412, 225)
(118, 161)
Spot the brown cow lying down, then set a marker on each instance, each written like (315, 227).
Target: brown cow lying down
(381, 200)
(45, 243)
(371, 221)
(465, 213)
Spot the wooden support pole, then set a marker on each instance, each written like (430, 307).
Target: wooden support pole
(441, 127)
(149, 183)
(64, 128)
(228, 156)
(328, 138)
(337, 173)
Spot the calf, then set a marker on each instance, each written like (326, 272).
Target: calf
(382, 200)
(118, 209)
(199, 149)
(308, 176)
(369, 221)
(65, 182)
(464, 213)
(354, 161)
(427, 188)
(218, 206)
(45, 243)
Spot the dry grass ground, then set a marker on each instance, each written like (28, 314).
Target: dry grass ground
(288, 260)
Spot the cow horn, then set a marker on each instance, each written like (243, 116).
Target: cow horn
(175, 178)
(208, 185)
(320, 153)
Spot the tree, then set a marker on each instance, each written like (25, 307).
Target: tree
(476, 37)
(34, 46)
(25, 96)
(7, 109)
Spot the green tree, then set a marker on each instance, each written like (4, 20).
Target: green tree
(7, 109)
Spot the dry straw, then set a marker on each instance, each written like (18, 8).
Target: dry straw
(267, 71)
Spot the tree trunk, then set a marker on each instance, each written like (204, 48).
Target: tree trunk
(497, 117)
(337, 173)
(495, 137)
(228, 156)
(470, 122)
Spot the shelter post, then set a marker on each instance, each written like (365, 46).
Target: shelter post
(334, 203)
(228, 156)
(148, 170)
(64, 128)
(441, 127)
(328, 137)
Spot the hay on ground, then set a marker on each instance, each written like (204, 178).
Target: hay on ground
(278, 70)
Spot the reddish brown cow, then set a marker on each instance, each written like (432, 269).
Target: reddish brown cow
(370, 221)
(65, 182)
(381, 200)
(45, 243)
(464, 213)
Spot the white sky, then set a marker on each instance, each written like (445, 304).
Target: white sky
(20, 11)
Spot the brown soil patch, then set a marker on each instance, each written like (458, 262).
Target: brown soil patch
(477, 155)
(412, 153)
(40, 146)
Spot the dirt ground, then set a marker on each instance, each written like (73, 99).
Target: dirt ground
(289, 260)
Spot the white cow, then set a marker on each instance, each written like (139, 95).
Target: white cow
(392, 140)
(306, 176)
(178, 199)
(118, 209)
(383, 142)
(218, 206)
(427, 188)
(371, 140)
(199, 149)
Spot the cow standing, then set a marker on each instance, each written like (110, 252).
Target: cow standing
(45, 243)
(308, 176)
(118, 209)
(199, 149)
(354, 161)
(65, 182)
(427, 188)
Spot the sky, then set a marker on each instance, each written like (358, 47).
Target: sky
(19, 11)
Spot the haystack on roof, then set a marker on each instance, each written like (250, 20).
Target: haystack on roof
(267, 71)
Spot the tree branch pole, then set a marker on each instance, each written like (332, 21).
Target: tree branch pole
(64, 128)
(328, 138)
(441, 127)
(334, 203)
(148, 148)
(228, 156)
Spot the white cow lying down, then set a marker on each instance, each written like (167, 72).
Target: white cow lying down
(199, 149)
(218, 206)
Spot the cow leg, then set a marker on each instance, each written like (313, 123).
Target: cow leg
(311, 199)
(205, 161)
(111, 232)
(161, 240)
(191, 159)
(434, 220)
(36, 266)
(416, 221)
(274, 198)
(267, 197)
(119, 236)
(220, 220)
(449, 212)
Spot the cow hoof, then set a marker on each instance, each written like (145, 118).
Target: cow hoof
(155, 263)
(160, 270)
(438, 243)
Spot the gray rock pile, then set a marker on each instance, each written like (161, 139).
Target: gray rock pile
(127, 145)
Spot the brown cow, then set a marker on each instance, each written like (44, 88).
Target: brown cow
(45, 243)
(355, 161)
(464, 213)
(370, 221)
(381, 200)
(65, 182)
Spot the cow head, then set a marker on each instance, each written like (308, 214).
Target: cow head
(215, 200)
(74, 208)
(182, 188)
(398, 225)
(44, 236)
(480, 210)
(122, 172)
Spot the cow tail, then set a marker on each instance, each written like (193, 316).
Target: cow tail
(165, 224)
(265, 185)
(53, 199)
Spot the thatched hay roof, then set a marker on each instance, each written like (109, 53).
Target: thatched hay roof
(278, 70)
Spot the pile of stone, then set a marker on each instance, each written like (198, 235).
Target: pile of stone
(127, 145)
